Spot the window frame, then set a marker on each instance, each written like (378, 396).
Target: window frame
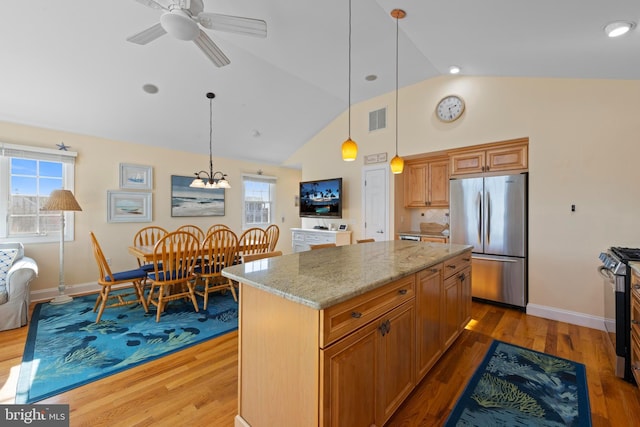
(67, 158)
(272, 181)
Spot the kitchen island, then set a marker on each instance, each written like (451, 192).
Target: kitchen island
(341, 336)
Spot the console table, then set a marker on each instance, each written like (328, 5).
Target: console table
(301, 238)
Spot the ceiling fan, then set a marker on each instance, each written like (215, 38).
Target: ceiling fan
(181, 18)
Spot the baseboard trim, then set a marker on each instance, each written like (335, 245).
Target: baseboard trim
(72, 290)
(573, 317)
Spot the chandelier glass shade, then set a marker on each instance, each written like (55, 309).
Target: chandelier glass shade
(210, 179)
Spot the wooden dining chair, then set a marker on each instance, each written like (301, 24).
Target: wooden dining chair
(172, 278)
(216, 227)
(273, 234)
(147, 236)
(365, 240)
(131, 281)
(219, 250)
(263, 255)
(193, 229)
(322, 245)
(252, 241)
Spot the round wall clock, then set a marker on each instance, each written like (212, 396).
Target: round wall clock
(450, 108)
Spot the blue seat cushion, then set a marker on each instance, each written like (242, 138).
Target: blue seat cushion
(149, 267)
(207, 269)
(137, 273)
(173, 275)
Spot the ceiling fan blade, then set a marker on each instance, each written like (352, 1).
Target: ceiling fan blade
(210, 49)
(233, 24)
(148, 35)
(152, 4)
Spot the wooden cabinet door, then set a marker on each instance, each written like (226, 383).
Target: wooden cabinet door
(467, 162)
(465, 296)
(507, 158)
(635, 326)
(349, 380)
(434, 239)
(438, 184)
(428, 315)
(415, 179)
(451, 310)
(396, 357)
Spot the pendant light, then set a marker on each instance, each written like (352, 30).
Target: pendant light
(397, 163)
(212, 179)
(349, 147)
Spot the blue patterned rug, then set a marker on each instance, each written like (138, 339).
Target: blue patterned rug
(515, 386)
(66, 349)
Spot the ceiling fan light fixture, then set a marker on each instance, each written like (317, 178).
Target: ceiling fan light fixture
(618, 28)
(180, 25)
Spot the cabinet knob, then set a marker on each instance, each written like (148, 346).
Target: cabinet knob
(466, 259)
(385, 327)
(461, 277)
(402, 291)
(356, 314)
(452, 266)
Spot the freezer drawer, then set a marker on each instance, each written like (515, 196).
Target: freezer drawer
(500, 279)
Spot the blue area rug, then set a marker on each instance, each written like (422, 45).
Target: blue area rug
(515, 386)
(66, 349)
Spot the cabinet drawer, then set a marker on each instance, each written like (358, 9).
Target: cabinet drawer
(346, 317)
(456, 264)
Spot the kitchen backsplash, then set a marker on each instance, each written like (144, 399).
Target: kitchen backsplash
(430, 215)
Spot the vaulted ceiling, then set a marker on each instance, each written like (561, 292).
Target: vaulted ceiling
(66, 64)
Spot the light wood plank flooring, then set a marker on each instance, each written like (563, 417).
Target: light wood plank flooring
(198, 386)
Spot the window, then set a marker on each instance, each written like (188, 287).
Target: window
(28, 175)
(259, 195)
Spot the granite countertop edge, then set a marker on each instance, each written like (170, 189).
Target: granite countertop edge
(288, 286)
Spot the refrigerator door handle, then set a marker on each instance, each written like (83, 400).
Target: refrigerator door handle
(479, 203)
(488, 218)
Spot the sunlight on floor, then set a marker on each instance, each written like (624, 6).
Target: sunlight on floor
(471, 325)
(8, 390)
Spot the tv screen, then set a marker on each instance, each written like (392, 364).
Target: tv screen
(321, 198)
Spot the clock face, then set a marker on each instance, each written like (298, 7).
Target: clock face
(450, 108)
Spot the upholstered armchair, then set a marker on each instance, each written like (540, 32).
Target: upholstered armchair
(16, 272)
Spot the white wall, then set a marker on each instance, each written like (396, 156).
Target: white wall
(97, 169)
(583, 150)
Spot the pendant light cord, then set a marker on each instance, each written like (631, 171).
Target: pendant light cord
(397, 85)
(349, 109)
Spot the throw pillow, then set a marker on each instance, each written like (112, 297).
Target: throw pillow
(7, 256)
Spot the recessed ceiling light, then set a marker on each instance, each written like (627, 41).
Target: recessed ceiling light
(149, 88)
(454, 69)
(618, 28)
(371, 77)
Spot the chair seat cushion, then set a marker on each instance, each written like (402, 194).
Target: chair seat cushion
(162, 277)
(7, 256)
(137, 273)
(149, 267)
(207, 269)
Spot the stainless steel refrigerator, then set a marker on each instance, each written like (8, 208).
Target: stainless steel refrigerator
(490, 213)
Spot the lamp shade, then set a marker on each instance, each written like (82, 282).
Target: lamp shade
(61, 200)
(349, 150)
(397, 164)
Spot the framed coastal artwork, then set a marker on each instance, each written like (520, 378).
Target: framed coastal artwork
(136, 177)
(188, 201)
(128, 206)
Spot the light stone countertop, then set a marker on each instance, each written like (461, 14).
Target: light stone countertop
(325, 277)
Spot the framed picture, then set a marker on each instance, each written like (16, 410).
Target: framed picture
(188, 201)
(136, 177)
(123, 206)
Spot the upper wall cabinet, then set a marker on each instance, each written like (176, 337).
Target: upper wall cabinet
(506, 156)
(426, 183)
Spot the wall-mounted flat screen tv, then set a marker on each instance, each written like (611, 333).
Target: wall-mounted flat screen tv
(321, 198)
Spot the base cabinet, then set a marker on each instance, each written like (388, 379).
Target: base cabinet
(428, 319)
(635, 325)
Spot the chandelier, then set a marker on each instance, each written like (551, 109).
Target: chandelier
(211, 179)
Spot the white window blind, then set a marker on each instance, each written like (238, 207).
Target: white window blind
(258, 195)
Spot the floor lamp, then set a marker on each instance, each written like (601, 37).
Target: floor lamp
(61, 200)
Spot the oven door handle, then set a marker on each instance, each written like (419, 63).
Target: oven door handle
(606, 273)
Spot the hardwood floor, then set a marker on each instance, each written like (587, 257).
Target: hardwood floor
(198, 386)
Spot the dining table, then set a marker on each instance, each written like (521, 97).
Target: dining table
(145, 252)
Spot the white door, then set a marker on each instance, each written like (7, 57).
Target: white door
(375, 182)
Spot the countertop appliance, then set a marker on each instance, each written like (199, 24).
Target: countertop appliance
(617, 304)
(490, 213)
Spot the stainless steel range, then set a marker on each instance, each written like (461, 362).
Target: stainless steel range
(617, 304)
